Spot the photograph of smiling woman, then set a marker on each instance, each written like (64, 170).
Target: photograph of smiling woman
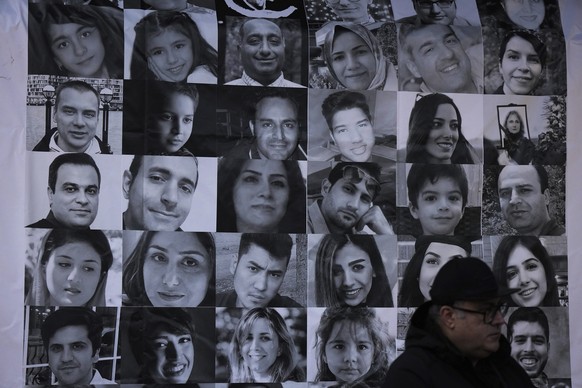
(75, 41)
(71, 270)
(168, 46)
(175, 269)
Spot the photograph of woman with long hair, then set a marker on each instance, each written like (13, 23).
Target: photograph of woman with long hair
(523, 262)
(71, 269)
(262, 349)
(353, 347)
(518, 148)
(349, 271)
(76, 41)
(170, 269)
(169, 47)
(435, 135)
(260, 196)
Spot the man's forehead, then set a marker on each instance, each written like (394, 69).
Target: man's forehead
(360, 186)
(70, 334)
(69, 172)
(518, 176)
(274, 102)
(427, 34)
(530, 328)
(180, 167)
(76, 97)
(264, 258)
(260, 27)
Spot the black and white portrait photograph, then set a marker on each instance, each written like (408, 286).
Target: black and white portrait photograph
(263, 52)
(346, 55)
(168, 345)
(268, 9)
(539, 339)
(261, 196)
(438, 199)
(172, 45)
(52, 334)
(168, 269)
(421, 259)
(75, 41)
(352, 126)
(262, 123)
(351, 198)
(168, 193)
(363, 335)
(169, 118)
(446, 12)
(352, 270)
(261, 344)
(523, 45)
(524, 130)
(434, 130)
(524, 200)
(536, 266)
(440, 58)
(73, 190)
(261, 270)
(370, 13)
(74, 115)
(67, 267)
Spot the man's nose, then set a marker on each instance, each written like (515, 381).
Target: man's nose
(170, 195)
(278, 132)
(515, 198)
(78, 119)
(435, 8)
(356, 136)
(66, 354)
(265, 48)
(81, 197)
(498, 319)
(261, 282)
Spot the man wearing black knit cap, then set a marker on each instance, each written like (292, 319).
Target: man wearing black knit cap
(455, 340)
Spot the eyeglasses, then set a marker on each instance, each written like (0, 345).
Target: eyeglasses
(441, 3)
(337, 1)
(489, 314)
(354, 174)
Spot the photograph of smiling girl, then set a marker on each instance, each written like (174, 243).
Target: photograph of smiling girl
(167, 345)
(439, 199)
(67, 267)
(75, 41)
(539, 25)
(350, 56)
(344, 126)
(365, 335)
(435, 132)
(351, 270)
(167, 46)
(263, 345)
(537, 266)
(263, 52)
(169, 118)
(525, 129)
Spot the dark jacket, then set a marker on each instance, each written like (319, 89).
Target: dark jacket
(50, 222)
(432, 361)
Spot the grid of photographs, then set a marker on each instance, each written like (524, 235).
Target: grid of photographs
(219, 191)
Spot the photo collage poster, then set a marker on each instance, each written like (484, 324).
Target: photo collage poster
(198, 171)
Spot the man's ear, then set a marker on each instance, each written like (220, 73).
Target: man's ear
(412, 68)
(447, 314)
(95, 357)
(127, 180)
(50, 195)
(413, 210)
(233, 265)
(325, 186)
(252, 127)
(547, 197)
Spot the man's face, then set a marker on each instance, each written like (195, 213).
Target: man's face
(472, 336)
(257, 277)
(76, 115)
(276, 128)
(78, 49)
(70, 355)
(351, 11)
(75, 200)
(433, 12)
(530, 347)
(440, 207)
(523, 204)
(528, 14)
(438, 57)
(173, 357)
(344, 203)
(353, 133)
(159, 197)
(262, 50)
